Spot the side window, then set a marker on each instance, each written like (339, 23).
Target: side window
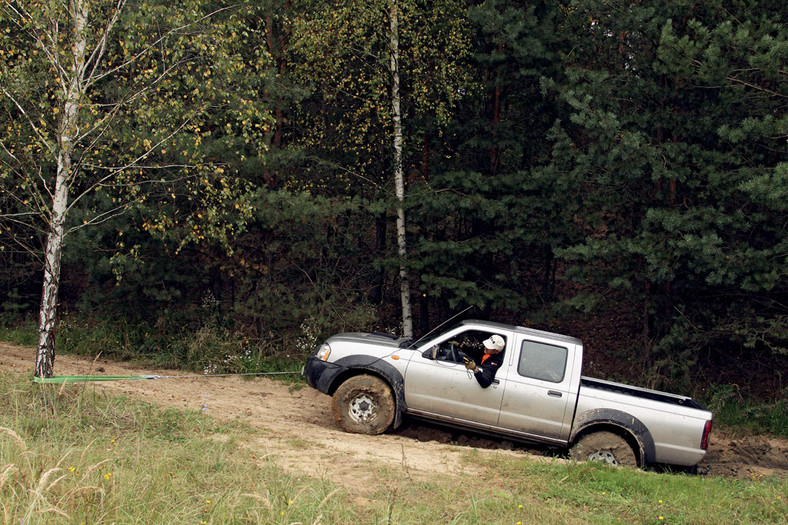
(542, 361)
(465, 344)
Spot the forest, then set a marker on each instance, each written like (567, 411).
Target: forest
(213, 183)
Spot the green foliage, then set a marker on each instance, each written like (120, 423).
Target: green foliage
(485, 220)
(674, 128)
(744, 414)
(207, 349)
(166, 104)
(562, 160)
(19, 331)
(343, 129)
(305, 259)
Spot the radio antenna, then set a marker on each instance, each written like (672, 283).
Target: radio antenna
(443, 323)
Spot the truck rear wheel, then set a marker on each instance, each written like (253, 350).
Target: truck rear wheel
(363, 404)
(604, 446)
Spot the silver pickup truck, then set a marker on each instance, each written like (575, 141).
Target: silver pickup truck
(538, 394)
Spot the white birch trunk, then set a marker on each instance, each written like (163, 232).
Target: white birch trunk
(399, 178)
(68, 130)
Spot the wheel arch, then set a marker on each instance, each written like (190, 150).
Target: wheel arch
(360, 365)
(618, 422)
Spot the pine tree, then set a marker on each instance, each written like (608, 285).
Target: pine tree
(677, 118)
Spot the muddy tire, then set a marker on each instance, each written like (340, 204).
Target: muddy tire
(604, 446)
(363, 405)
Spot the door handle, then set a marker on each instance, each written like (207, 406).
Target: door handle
(554, 393)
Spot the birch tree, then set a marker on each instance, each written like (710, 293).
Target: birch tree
(69, 86)
(385, 77)
(399, 176)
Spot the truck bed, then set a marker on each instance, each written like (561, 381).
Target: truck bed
(674, 423)
(645, 393)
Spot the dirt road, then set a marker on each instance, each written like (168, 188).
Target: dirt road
(299, 431)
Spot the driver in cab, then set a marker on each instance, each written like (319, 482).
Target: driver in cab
(491, 361)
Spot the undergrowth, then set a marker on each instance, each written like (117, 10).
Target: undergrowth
(733, 409)
(209, 349)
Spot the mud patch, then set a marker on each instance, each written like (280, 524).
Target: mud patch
(427, 432)
(749, 457)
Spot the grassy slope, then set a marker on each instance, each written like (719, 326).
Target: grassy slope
(72, 455)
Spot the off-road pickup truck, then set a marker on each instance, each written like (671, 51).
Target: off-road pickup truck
(538, 394)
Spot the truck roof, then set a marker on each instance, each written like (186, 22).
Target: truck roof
(492, 326)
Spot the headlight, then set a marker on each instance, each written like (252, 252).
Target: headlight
(323, 352)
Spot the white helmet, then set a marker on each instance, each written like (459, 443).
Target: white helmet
(495, 342)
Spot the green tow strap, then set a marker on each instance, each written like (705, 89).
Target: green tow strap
(85, 379)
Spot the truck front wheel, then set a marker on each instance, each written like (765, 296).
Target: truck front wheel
(363, 404)
(604, 446)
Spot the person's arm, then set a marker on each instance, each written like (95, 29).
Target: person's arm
(485, 374)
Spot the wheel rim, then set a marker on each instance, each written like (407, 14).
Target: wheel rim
(362, 409)
(605, 456)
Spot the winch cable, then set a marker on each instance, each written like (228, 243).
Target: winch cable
(91, 378)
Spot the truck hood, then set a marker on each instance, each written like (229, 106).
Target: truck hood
(378, 339)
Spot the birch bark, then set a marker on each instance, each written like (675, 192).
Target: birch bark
(399, 177)
(68, 130)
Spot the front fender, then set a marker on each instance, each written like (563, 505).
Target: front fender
(607, 417)
(358, 364)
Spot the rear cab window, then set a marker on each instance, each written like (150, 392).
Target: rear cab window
(542, 361)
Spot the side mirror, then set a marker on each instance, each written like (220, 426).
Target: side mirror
(430, 353)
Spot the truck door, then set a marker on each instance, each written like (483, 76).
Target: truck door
(538, 400)
(439, 386)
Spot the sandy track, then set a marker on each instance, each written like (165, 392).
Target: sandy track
(299, 431)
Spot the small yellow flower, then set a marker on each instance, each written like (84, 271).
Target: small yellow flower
(72, 469)
(289, 502)
(108, 475)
